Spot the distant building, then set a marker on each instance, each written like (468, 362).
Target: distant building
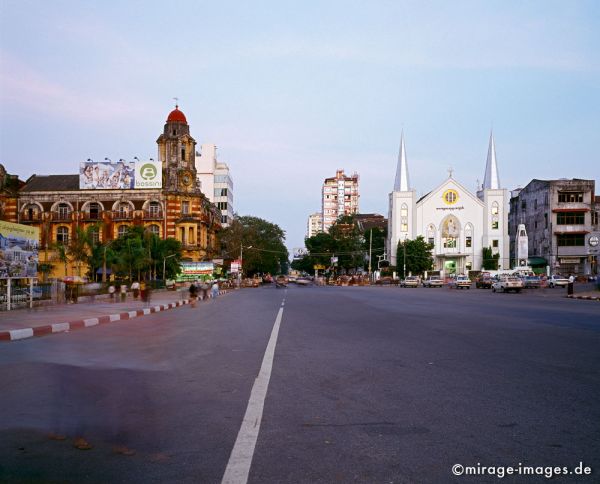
(339, 197)
(215, 181)
(561, 218)
(368, 221)
(456, 221)
(315, 224)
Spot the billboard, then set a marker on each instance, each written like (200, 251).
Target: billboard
(18, 250)
(191, 271)
(123, 175)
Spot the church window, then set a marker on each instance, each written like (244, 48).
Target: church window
(431, 241)
(404, 228)
(404, 210)
(495, 208)
(62, 235)
(450, 197)
(495, 243)
(495, 223)
(468, 242)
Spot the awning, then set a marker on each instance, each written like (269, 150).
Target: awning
(561, 210)
(574, 232)
(537, 261)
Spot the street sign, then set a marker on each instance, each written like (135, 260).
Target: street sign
(319, 267)
(236, 266)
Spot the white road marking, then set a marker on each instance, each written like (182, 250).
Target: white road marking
(238, 467)
(21, 333)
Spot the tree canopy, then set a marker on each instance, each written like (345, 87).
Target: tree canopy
(264, 250)
(418, 256)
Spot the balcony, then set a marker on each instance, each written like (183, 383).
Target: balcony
(31, 217)
(91, 216)
(153, 215)
(122, 215)
(61, 216)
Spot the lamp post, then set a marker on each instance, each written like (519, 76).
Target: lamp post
(404, 270)
(165, 266)
(242, 263)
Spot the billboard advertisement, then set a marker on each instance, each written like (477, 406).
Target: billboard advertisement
(123, 175)
(18, 250)
(191, 271)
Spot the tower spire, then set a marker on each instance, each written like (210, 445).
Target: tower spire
(402, 183)
(491, 180)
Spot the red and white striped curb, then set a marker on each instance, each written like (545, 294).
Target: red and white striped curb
(588, 298)
(16, 334)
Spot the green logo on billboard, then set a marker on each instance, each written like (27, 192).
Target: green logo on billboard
(148, 171)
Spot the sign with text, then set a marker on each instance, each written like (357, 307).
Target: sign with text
(122, 175)
(18, 250)
(236, 266)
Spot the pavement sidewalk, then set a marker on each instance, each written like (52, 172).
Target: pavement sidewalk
(39, 321)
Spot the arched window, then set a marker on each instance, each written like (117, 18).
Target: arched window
(154, 209)
(64, 211)
(62, 235)
(94, 210)
(154, 229)
(122, 230)
(431, 234)
(468, 236)
(31, 212)
(123, 210)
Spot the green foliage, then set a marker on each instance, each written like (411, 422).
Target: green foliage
(268, 253)
(490, 260)
(418, 256)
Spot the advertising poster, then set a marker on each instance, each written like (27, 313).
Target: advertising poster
(148, 174)
(106, 175)
(191, 271)
(18, 250)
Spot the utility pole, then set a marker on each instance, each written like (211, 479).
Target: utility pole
(404, 271)
(370, 250)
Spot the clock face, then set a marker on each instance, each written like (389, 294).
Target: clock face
(186, 180)
(593, 241)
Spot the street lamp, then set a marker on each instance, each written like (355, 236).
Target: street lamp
(108, 159)
(242, 263)
(165, 266)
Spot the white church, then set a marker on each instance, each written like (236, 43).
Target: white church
(458, 223)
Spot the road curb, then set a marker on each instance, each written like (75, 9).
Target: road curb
(24, 333)
(587, 298)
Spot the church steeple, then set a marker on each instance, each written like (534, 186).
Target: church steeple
(402, 183)
(491, 180)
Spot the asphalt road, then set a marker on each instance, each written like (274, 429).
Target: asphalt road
(373, 385)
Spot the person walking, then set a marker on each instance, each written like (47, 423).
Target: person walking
(135, 287)
(111, 291)
(123, 292)
(204, 288)
(570, 286)
(193, 294)
(215, 289)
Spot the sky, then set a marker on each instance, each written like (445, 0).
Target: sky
(290, 91)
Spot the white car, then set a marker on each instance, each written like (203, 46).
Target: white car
(410, 281)
(460, 282)
(557, 280)
(507, 283)
(433, 282)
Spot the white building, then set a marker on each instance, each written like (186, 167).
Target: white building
(315, 224)
(339, 197)
(215, 181)
(459, 223)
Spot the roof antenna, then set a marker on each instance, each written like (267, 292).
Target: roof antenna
(176, 102)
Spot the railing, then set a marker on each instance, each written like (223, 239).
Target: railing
(61, 216)
(31, 217)
(118, 215)
(153, 214)
(91, 215)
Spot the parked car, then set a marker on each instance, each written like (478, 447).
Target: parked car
(460, 282)
(557, 280)
(532, 282)
(507, 283)
(410, 281)
(433, 281)
(484, 281)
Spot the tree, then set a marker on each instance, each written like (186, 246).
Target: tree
(267, 254)
(376, 238)
(490, 260)
(418, 256)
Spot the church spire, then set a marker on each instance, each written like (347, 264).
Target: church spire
(402, 183)
(491, 180)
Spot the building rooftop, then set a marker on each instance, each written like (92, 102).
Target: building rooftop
(51, 183)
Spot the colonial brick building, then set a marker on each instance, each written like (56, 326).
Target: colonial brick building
(58, 205)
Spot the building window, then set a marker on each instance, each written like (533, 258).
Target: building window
(495, 223)
(570, 218)
(185, 208)
(495, 243)
(182, 235)
(191, 235)
(545, 220)
(468, 242)
(535, 204)
(224, 219)
(62, 235)
(94, 210)
(154, 209)
(523, 205)
(450, 243)
(404, 228)
(63, 211)
(570, 240)
(123, 210)
(222, 206)
(404, 212)
(570, 197)
(154, 229)
(95, 236)
(495, 208)
(183, 153)
(122, 230)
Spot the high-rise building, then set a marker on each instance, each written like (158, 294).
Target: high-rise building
(561, 219)
(315, 224)
(457, 222)
(215, 181)
(339, 197)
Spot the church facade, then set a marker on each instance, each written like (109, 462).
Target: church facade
(459, 223)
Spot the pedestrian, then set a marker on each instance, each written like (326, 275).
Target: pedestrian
(193, 294)
(215, 289)
(135, 287)
(570, 286)
(123, 292)
(143, 290)
(204, 288)
(111, 292)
